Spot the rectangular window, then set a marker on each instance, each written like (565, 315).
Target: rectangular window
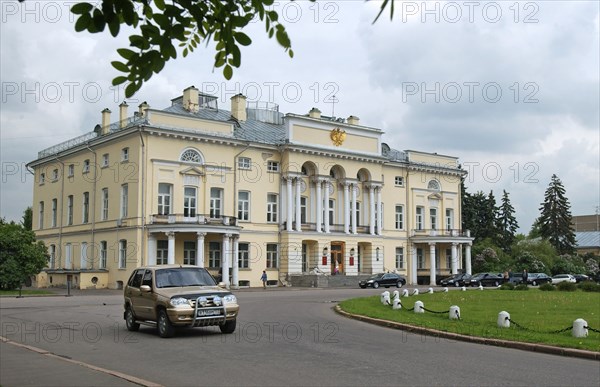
(85, 208)
(244, 256)
(272, 256)
(71, 170)
(303, 205)
(189, 253)
(448, 258)
(399, 217)
(103, 254)
(419, 218)
(52, 252)
(449, 218)
(42, 178)
(272, 200)
(216, 202)
(420, 259)
(399, 181)
(54, 211)
(104, 215)
(122, 254)
(83, 257)
(272, 166)
(243, 205)
(55, 175)
(399, 257)
(358, 214)
(162, 252)
(214, 254)
(68, 256)
(125, 154)
(244, 163)
(41, 216)
(164, 198)
(331, 212)
(105, 160)
(86, 166)
(189, 202)
(124, 200)
(69, 210)
(433, 218)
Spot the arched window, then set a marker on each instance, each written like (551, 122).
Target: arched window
(433, 185)
(191, 156)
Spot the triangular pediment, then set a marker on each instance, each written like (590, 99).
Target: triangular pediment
(435, 196)
(193, 171)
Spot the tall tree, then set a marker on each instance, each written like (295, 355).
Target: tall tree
(506, 223)
(468, 210)
(27, 220)
(555, 218)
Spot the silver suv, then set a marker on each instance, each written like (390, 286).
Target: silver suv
(170, 296)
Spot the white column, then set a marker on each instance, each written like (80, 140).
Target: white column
(468, 257)
(225, 260)
(346, 209)
(319, 206)
(235, 260)
(326, 205)
(454, 258)
(200, 249)
(151, 249)
(289, 205)
(414, 266)
(372, 210)
(379, 212)
(432, 264)
(354, 220)
(298, 212)
(171, 254)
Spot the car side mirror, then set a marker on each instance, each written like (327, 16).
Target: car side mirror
(222, 285)
(145, 288)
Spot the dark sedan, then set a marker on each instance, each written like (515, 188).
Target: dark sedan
(581, 277)
(487, 279)
(456, 280)
(536, 279)
(383, 279)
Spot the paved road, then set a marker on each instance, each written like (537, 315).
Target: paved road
(284, 337)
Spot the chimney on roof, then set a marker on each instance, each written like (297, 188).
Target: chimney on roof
(238, 107)
(123, 114)
(105, 121)
(352, 120)
(191, 102)
(314, 113)
(143, 107)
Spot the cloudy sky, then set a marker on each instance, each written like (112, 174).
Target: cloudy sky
(511, 88)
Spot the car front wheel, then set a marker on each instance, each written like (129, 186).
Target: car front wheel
(165, 328)
(456, 284)
(496, 283)
(130, 320)
(534, 283)
(228, 327)
(375, 285)
(399, 284)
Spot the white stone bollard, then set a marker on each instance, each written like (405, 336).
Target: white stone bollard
(404, 292)
(503, 321)
(415, 292)
(580, 328)
(464, 289)
(430, 290)
(454, 313)
(445, 290)
(480, 287)
(395, 294)
(385, 298)
(397, 304)
(419, 307)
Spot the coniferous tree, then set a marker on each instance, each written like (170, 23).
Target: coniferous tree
(27, 219)
(506, 223)
(555, 218)
(468, 211)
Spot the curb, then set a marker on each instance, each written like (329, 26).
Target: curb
(540, 348)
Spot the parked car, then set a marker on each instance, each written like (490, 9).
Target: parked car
(581, 277)
(170, 296)
(383, 279)
(455, 280)
(485, 279)
(563, 278)
(536, 279)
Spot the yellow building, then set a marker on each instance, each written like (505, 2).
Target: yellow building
(243, 191)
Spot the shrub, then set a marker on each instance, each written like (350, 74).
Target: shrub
(507, 286)
(522, 287)
(589, 286)
(547, 287)
(566, 286)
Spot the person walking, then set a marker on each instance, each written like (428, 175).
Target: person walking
(263, 278)
(525, 276)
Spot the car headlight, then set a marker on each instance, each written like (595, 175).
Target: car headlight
(180, 302)
(370, 281)
(217, 301)
(230, 299)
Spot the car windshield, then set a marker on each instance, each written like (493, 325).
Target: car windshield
(177, 277)
(375, 276)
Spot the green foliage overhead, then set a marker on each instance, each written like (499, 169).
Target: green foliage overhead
(555, 218)
(506, 223)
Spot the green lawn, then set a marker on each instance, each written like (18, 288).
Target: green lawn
(24, 292)
(538, 311)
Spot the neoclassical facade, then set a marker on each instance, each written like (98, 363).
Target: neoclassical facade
(240, 191)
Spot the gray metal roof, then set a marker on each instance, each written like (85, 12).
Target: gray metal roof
(587, 239)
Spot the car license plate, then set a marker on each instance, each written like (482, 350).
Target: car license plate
(209, 312)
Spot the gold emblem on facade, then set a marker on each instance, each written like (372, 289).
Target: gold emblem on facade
(338, 136)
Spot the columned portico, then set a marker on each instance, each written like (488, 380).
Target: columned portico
(326, 205)
(235, 263)
(379, 211)
(298, 184)
(319, 205)
(200, 248)
(346, 209)
(414, 267)
(289, 204)
(354, 188)
(171, 253)
(225, 260)
(151, 249)
(468, 258)
(432, 263)
(372, 209)
(453, 264)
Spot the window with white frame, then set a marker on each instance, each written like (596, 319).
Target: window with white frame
(272, 256)
(244, 205)
(71, 170)
(399, 258)
(419, 218)
(125, 154)
(244, 163)
(85, 210)
(331, 211)
(272, 166)
(52, 252)
(41, 216)
(191, 156)
(448, 258)
(124, 200)
(214, 255)
(162, 252)
(420, 259)
(244, 255)
(86, 166)
(433, 185)
(399, 221)
(272, 200)
(189, 253)
(105, 160)
(54, 211)
(216, 202)
(189, 202)
(433, 218)
(42, 178)
(164, 198)
(449, 218)
(103, 254)
(69, 210)
(104, 215)
(55, 174)
(303, 206)
(122, 254)
(399, 181)
(83, 257)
